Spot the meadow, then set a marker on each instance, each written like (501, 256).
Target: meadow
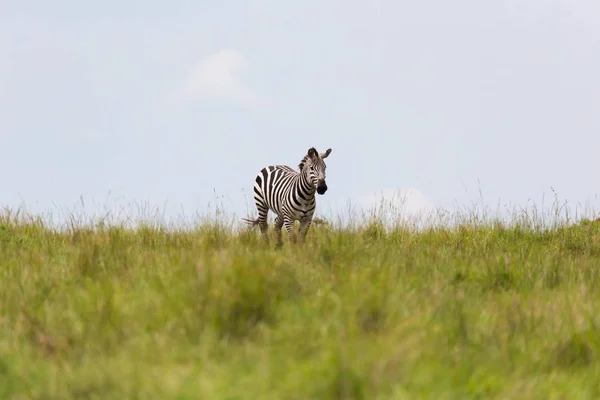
(474, 309)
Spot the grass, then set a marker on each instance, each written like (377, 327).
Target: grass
(468, 311)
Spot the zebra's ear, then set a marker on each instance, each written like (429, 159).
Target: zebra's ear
(312, 152)
(324, 155)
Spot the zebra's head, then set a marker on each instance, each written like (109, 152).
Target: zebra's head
(316, 168)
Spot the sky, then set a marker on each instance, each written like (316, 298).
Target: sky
(176, 106)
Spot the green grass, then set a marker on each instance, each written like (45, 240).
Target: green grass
(474, 311)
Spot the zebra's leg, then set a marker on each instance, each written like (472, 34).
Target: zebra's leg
(278, 226)
(288, 223)
(304, 227)
(263, 211)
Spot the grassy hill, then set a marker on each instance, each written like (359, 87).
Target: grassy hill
(478, 310)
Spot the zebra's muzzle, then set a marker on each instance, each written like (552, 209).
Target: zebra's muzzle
(321, 187)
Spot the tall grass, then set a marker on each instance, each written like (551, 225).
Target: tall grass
(382, 308)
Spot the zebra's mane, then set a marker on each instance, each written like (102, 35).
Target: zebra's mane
(303, 162)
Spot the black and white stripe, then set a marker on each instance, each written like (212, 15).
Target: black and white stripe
(289, 194)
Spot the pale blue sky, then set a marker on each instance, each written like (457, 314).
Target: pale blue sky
(160, 102)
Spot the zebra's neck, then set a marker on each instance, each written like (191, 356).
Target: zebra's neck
(306, 186)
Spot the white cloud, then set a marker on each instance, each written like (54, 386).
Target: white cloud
(218, 78)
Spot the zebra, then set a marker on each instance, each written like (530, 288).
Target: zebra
(290, 195)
